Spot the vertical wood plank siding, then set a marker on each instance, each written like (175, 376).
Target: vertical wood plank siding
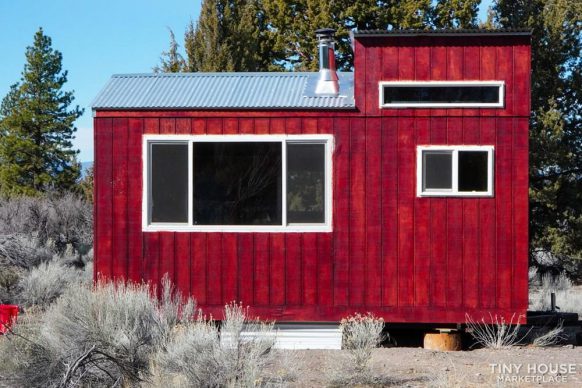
(405, 258)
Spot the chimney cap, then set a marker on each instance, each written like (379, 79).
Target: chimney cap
(325, 32)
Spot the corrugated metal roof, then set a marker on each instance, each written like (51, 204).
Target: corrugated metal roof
(442, 32)
(220, 91)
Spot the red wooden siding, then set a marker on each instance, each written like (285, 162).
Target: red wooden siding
(405, 258)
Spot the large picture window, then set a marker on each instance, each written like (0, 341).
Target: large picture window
(441, 94)
(455, 171)
(243, 183)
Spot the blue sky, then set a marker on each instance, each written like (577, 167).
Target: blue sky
(97, 38)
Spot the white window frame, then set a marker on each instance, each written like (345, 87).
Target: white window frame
(498, 104)
(148, 140)
(454, 192)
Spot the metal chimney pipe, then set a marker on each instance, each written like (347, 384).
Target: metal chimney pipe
(327, 84)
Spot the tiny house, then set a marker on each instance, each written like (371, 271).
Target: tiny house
(400, 189)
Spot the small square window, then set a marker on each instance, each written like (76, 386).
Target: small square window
(455, 171)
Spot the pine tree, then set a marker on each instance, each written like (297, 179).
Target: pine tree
(36, 126)
(556, 123)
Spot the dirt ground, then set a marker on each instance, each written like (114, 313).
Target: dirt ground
(417, 367)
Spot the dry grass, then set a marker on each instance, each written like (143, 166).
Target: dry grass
(550, 337)
(499, 334)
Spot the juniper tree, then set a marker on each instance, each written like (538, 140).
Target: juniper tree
(456, 13)
(295, 22)
(37, 126)
(171, 60)
(230, 35)
(264, 35)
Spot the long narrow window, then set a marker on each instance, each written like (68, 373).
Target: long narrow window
(244, 183)
(455, 171)
(441, 94)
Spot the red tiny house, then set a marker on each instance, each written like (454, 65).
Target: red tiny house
(392, 248)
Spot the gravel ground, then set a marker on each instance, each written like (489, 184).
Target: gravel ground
(416, 367)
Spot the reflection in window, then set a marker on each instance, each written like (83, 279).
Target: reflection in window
(169, 182)
(441, 94)
(237, 183)
(472, 170)
(305, 183)
(438, 170)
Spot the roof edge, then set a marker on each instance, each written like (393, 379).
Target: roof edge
(346, 108)
(224, 74)
(442, 32)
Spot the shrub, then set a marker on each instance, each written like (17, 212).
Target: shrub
(101, 336)
(23, 251)
(361, 334)
(497, 335)
(63, 219)
(204, 356)
(9, 276)
(193, 355)
(43, 284)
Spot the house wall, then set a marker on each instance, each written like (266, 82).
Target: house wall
(404, 258)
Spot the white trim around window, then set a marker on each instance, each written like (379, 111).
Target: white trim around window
(150, 139)
(453, 151)
(407, 84)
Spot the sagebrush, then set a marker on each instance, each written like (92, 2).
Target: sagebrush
(236, 354)
(44, 242)
(61, 218)
(44, 284)
(361, 334)
(100, 336)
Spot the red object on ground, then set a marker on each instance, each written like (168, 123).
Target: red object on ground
(8, 314)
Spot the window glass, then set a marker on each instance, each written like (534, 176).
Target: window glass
(305, 183)
(237, 183)
(440, 94)
(437, 170)
(169, 181)
(473, 170)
